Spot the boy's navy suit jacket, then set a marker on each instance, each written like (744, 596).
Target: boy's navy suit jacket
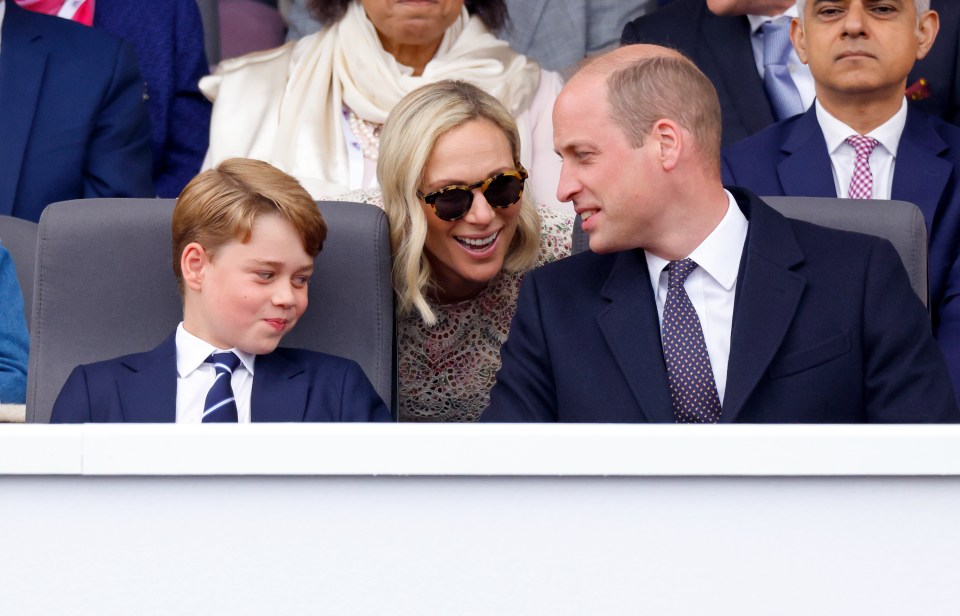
(288, 385)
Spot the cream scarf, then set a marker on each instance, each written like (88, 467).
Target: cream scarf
(285, 105)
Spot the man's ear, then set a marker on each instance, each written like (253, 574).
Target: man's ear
(798, 39)
(927, 28)
(670, 140)
(193, 262)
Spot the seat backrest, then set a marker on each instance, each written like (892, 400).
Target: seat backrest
(19, 237)
(899, 222)
(105, 288)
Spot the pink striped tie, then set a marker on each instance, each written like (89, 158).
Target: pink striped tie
(861, 184)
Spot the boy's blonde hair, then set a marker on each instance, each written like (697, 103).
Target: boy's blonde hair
(221, 204)
(409, 135)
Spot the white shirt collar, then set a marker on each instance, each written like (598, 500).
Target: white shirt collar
(835, 132)
(192, 352)
(758, 20)
(719, 254)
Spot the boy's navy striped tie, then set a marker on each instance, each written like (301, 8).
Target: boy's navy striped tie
(220, 404)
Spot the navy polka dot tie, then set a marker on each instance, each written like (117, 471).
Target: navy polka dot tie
(692, 388)
(220, 405)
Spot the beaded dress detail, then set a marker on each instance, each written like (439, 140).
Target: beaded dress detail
(446, 371)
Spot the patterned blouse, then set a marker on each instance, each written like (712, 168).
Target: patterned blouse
(446, 371)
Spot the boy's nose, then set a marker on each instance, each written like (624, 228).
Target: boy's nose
(283, 295)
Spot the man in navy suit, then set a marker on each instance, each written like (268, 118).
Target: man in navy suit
(860, 58)
(724, 42)
(72, 116)
(245, 236)
(699, 304)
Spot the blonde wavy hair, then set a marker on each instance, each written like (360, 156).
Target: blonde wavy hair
(409, 135)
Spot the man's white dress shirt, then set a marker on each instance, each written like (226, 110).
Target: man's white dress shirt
(843, 155)
(712, 287)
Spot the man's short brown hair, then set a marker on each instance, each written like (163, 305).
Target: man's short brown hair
(667, 86)
(221, 204)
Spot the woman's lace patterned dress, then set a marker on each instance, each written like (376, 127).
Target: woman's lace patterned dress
(446, 371)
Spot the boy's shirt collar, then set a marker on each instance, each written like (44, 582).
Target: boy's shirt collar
(192, 352)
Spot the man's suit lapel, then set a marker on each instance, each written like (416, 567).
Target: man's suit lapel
(768, 293)
(279, 390)
(148, 389)
(632, 331)
(728, 41)
(23, 60)
(920, 176)
(806, 170)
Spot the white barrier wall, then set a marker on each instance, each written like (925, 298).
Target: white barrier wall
(403, 519)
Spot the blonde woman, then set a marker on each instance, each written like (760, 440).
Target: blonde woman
(463, 230)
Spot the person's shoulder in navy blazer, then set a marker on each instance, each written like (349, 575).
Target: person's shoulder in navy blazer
(935, 80)
(245, 236)
(72, 115)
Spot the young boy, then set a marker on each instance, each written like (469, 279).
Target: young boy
(244, 239)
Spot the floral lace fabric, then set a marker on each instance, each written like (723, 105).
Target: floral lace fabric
(446, 371)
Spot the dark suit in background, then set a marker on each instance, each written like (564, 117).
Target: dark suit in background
(721, 47)
(288, 385)
(72, 116)
(167, 36)
(826, 329)
(941, 67)
(791, 158)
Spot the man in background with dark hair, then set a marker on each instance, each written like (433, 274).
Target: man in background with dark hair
(733, 41)
(862, 139)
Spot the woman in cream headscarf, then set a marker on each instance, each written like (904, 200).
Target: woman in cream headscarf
(314, 108)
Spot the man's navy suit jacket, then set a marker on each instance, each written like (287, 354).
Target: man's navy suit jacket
(73, 123)
(288, 385)
(826, 329)
(791, 158)
(721, 47)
